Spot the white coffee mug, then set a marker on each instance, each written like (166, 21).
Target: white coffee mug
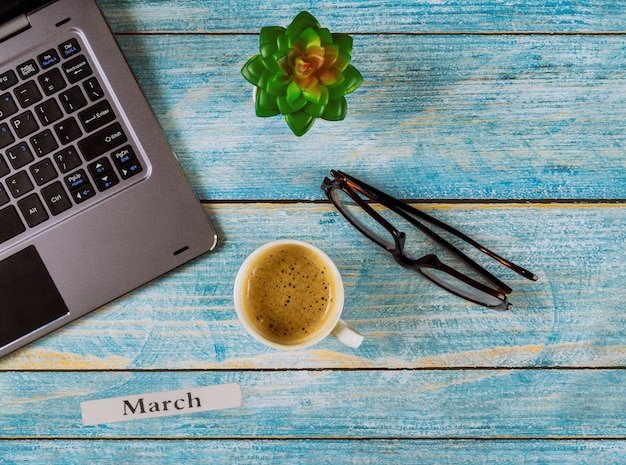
(255, 313)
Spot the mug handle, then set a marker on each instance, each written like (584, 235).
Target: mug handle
(347, 334)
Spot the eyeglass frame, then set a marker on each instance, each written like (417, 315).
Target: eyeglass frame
(351, 185)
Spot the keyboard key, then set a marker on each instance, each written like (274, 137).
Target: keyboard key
(7, 106)
(48, 112)
(69, 48)
(24, 124)
(55, 197)
(73, 99)
(4, 168)
(102, 141)
(44, 143)
(123, 155)
(84, 193)
(6, 137)
(49, 58)
(68, 131)
(28, 69)
(76, 69)
(33, 210)
(43, 171)
(19, 155)
(100, 167)
(93, 89)
(67, 159)
(107, 181)
(76, 180)
(10, 224)
(8, 79)
(4, 195)
(52, 82)
(19, 184)
(27, 94)
(130, 169)
(96, 116)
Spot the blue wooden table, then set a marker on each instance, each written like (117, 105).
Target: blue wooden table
(505, 119)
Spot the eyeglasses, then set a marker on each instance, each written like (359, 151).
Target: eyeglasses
(349, 195)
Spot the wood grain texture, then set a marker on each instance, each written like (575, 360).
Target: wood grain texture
(307, 452)
(478, 117)
(223, 16)
(571, 317)
(322, 404)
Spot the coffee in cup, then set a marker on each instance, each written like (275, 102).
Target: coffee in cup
(289, 294)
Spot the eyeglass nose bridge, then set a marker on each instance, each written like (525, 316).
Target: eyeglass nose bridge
(427, 261)
(399, 239)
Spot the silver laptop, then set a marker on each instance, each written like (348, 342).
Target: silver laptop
(93, 202)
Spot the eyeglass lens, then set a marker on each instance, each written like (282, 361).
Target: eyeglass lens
(462, 289)
(361, 219)
(416, 243)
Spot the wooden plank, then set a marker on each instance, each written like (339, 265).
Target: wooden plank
(322, 404)
(571, 317)
(307, 452)
(201, 16)
(477, 117)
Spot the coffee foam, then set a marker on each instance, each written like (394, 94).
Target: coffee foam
(290, 293)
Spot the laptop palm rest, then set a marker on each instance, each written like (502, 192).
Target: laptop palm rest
(30, 299)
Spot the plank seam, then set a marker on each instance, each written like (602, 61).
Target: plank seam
(556, 203)
(325, 439)
(395, 33)
(338, 370)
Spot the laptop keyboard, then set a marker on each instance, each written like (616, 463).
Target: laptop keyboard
(61, 143)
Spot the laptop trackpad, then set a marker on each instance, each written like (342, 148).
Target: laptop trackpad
(30, 299)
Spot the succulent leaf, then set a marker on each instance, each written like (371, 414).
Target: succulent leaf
(325, 35)
(284, 106)
(331, 76)
(336, 110)
(272, 65)
(293, 92)
(278, 84)
(266, 105)
(253, 69)
(299, 122)
(353, 79)
(310, 37)
(343, 60)
(317, 95)
(314, 110)
(268, 39)
(343, 41)
(337, 90)
(264, 79)
(283, 43)
(303, 20)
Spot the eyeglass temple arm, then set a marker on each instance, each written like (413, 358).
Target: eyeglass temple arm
(392, 202)
(518, 269)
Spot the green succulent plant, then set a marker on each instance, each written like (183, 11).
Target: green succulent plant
(302, 72)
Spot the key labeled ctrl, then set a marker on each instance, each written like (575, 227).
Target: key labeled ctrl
(55, 197)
